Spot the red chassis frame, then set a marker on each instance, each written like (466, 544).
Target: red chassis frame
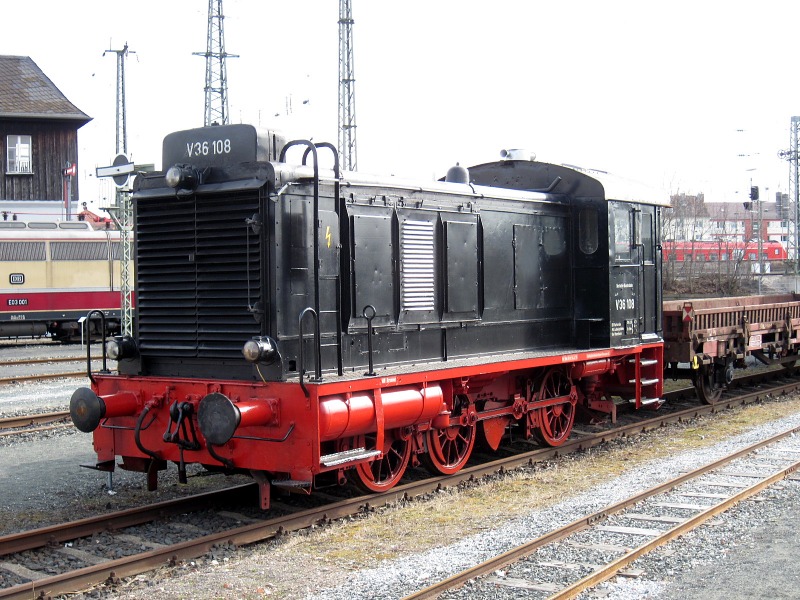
(286, 435)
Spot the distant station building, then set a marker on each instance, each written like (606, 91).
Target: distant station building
(693, 219)
(39, 151)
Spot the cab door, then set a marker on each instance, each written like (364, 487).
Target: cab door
(625, 269)
(647, 234)
(635, 286)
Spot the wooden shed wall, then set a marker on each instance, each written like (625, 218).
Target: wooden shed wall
(54, 145)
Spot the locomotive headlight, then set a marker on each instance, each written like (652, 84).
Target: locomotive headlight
(120, 347)
(260, 349)
(182, 177)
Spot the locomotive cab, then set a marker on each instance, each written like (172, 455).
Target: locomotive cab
(615, 248)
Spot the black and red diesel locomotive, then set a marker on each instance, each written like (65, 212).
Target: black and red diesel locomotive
(308, 326)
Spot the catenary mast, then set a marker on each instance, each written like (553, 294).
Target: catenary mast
(122, 213)
(347, 100)
(216, 88)
(793, 157)
(122, 118)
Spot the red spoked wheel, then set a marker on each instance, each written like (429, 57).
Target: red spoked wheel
(382, 473)
(448, 449)
(555, 421)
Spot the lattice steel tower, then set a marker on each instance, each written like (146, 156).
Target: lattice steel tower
(347, 96)
(122, 213)
(216, 105)
(793, 156)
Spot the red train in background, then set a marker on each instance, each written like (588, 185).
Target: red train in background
(711, 251)
(52, 274)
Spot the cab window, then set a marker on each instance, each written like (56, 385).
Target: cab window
(622, 235)
(588, 239)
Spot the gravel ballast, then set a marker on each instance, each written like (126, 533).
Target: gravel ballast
(744, 553)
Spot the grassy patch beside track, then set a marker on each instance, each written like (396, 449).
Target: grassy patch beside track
(454, 514)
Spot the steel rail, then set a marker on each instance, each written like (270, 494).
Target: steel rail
(138, 563)
(19, 378)
(34, 429)
(32, 419)
(691, 523)
(256, 532)
(64, 532)
(524, 550)
(40, 361)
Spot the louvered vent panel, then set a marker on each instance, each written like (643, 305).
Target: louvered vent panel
(12, 251)
(417, 283)
(79, 250)
(198, 270)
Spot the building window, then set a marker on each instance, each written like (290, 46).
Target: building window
(19, 154)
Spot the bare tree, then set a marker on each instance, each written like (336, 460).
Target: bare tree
(715, 270)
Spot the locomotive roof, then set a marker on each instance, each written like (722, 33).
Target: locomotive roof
(572, 181)
(73, 225)
(229, 147)
(584, 183)
(626, 190)
(45, 230)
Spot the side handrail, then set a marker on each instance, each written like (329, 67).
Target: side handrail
(369, 317)
(333, 150)
(335, 153)
(317, 349)
(89, 342)
(310, 147)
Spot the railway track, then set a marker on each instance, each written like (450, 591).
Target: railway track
(34, 423)
(89, 570)
(602, 544)
(40, 377)
(36, 362)
(44, 361)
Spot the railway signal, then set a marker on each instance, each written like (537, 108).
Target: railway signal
(119, 170)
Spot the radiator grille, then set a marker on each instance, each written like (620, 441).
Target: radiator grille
(198, 270)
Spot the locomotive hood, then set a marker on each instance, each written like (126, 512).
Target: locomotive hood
(564, 179)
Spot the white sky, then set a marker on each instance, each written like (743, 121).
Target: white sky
(667, 93)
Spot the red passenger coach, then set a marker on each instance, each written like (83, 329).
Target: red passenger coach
(310, 327)
(713, 251)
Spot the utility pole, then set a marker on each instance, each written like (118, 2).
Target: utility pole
(793, 156)
(216, 89)
(122, 118)
(761, 265)
(122, 213)
(347, 96)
